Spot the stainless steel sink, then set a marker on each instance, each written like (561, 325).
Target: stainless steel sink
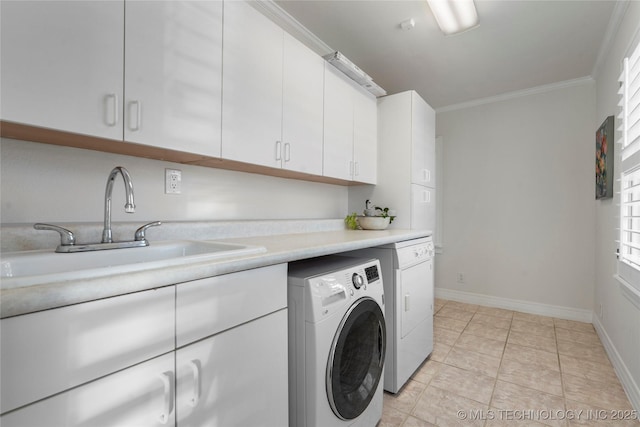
(34, 267)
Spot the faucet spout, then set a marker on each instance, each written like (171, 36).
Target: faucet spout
(129, 207)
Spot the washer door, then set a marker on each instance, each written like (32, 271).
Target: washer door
(356, 359)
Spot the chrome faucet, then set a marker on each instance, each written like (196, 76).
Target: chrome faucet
(68, 240)
(129, 207)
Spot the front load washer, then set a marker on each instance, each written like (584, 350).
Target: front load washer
(337, 342)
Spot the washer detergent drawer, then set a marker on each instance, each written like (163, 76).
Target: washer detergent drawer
(414, 295)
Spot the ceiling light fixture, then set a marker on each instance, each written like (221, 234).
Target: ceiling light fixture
(454, 16)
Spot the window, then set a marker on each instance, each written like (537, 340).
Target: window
(629, 119)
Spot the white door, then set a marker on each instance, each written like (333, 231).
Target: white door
(140, 396)
(236, 378)
(302, 109)
(62, 65)
(365, 137)
(423, 142)
(252, 86)
(338, 125)
(173, 75)
(416, 295)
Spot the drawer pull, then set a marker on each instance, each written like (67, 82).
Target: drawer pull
(167, 408)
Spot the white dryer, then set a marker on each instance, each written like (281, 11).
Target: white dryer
(337, 342)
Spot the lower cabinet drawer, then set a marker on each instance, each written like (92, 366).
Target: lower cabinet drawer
(209, 306)
(51, 351)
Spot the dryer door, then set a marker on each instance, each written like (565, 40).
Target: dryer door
(356, 359)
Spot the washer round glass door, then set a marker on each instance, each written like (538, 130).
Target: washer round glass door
(356, 359)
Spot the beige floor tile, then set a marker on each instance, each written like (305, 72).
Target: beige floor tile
(455, 313)
(592, 352)
(473, 361)
(445, 336)
(439, 352)
(577, 336)
(441, 407)
(502, 417)
(535, 377)
(535, 341)
(407, 397)
(486, 331)
(584, 414)
(532, 356)
(482, 345)
(595, 371)
(391, 417)
(519, 325)
(495, 312)
(464, 383)
(573, 325)
(416, 422)
(485, 319)
(425, 373)
(449, 323)
(609, 396)
(510, 396)
(462, 306)
(533, 318)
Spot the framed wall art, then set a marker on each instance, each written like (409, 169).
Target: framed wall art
(604, 159)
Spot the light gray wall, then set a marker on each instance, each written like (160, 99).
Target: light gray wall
(620, 319)
(518, 198)
(46, 183)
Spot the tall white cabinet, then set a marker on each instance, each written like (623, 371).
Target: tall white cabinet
(406, 167)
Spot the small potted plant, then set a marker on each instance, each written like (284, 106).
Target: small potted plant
(375, 218)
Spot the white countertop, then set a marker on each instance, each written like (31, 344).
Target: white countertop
(280, 248)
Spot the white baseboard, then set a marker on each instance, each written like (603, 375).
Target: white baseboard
(628, 383)
(567, 313)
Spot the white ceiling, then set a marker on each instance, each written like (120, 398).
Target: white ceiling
(518, 45)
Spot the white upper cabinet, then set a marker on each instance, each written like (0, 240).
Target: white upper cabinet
(173, 75)
(302, 108)
(62, 65)
(423, 142)
(350, 146)
(365, 137)
(252, 86)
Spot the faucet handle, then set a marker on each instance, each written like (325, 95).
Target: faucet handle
(66, 237)
(140, 232)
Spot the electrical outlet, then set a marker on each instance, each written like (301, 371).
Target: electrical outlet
(172, 181)
(460, 277)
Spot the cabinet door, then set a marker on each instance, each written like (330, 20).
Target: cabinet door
(423, 142)
(365, 137)
(173, 75)
(423, 208)
(302, 109)
(62, 65)
(236, 378)
(51, 351)
(141, 396)
(338, 125)
(252, 86)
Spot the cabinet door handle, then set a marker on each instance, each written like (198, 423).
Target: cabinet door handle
(167, 407)
(278, 150)
(427, 175)
(426, 196)
(111, 109)
(407, 300)
(195, 368)
(356, 168)
(135, 115)
(287, 152)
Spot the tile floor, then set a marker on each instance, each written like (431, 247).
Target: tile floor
(498, 367)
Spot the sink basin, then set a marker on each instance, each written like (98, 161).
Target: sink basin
(34, 267)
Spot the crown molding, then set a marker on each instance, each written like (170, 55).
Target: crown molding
(617, 16)
(518, 94)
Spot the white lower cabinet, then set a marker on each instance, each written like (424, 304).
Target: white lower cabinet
(140, 396)
(211, 352)
(235, 378)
